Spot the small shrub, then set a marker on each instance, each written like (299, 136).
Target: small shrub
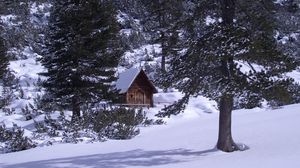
(49, 126)
(120, 131)
(117, 123)
(6, 97)
(8, 111)
(13, 140)
(148, 122)
(94, 125)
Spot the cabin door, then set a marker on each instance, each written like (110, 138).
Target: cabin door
(139, 97)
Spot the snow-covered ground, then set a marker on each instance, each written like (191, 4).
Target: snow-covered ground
(295, 75)
(272, 135)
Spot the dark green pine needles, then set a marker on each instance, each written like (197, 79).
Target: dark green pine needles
(83, 52)
(3, 59)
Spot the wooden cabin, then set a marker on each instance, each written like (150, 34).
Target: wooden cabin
(135, 88)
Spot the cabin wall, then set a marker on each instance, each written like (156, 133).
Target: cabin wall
(136, 95)
(122, 98)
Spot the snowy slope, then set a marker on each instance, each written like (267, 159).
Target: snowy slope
(272, 135)
(26, 71)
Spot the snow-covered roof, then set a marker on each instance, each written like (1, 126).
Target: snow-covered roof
(126, 79)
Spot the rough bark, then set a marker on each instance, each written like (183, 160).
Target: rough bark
(225, 141)
(163, 55)
(75, 108)
(228, 11)
(163, 26)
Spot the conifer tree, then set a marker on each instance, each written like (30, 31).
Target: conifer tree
(17, 28)
(212, 63)
(289, 33)
(3, 59)
(83, 52)
(163, 22)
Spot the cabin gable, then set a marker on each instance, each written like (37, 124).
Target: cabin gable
(139, 92)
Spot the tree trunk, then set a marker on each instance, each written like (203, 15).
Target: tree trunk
(225, 141)
(163, 52)
(162, 25)
(228, 11)
(75, 108)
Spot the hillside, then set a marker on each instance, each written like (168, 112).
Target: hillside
(271, 135)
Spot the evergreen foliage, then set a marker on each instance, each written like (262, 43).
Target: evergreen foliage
(83, 52)
(13, 140)
(288, 34)
(130, 13)
(212, 62)
(6, 77)
(16, 26)
(3, 59)
(117, 123)
(162, 22)
(95, 125)
(14, 6)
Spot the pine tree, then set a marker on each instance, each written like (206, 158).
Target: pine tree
(133, 8)
(162, 22)
(16, 30)
(4, 97)
(212, 62)
(289, 22)
(83, 52)
(3, 59)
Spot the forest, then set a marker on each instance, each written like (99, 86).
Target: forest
(60, 60)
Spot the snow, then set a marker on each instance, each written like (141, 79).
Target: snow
(295, 75)
(26, 71)
(196, 106)
(183, 142)
(209, 20)
(126, 32)
(137, 56)
(279, 1)
(246, 68)
(126, 78)
(40, 13)
(8, 20)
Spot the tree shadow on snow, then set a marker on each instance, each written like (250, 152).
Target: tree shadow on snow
(119, 159)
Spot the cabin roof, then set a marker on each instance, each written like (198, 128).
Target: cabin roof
(126, 79)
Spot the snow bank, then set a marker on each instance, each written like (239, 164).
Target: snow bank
(271, 134)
